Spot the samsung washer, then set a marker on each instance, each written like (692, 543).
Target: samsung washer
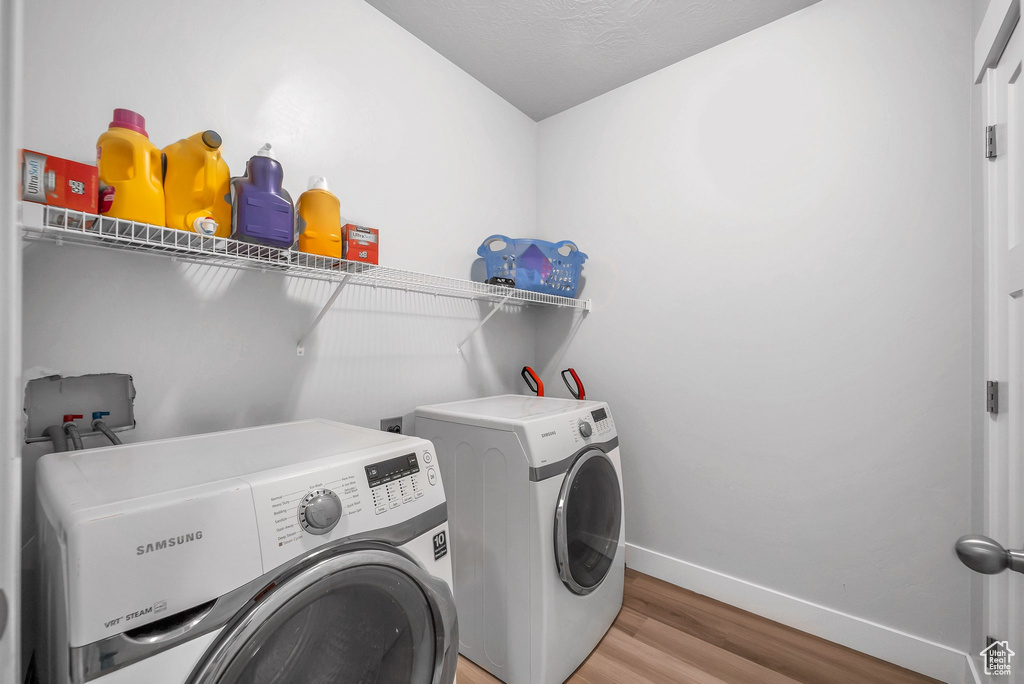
(308, 551)
(536, 513)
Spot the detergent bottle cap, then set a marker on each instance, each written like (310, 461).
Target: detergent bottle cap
(204, 225)
(212, 139)
(126, 118)
(318, 183)
(266, 151)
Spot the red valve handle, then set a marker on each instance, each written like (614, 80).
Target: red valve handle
(579, 392)
(533, 381)
(68, 417)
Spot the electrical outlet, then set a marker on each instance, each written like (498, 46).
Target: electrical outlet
(393, 425)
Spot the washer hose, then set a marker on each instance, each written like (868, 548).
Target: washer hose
(58, 437)
(72, 430)
(107, 432)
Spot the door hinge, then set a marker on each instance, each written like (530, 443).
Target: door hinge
(992, 397)
(990, 142)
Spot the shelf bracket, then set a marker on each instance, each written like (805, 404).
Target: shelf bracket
(300, 347)
(458, 348)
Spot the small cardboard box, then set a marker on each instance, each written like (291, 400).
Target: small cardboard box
(361, 244)
(59, 182)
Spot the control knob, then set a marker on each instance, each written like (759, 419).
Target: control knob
(585, 428)
(319, 511)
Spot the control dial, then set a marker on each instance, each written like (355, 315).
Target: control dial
(585, 428)
(319, 511)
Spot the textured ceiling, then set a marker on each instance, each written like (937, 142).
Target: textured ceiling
(545, 56)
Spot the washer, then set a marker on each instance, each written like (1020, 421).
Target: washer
(285, 553)
(536, 512)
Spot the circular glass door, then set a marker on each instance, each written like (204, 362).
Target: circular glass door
(588, 519)
(359, 618)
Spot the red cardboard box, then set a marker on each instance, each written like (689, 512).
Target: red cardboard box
(361, 244)
(60, 182)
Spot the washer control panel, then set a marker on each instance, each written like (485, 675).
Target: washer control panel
(397, 481)
(339, 498)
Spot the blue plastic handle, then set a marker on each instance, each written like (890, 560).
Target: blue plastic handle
(558, 247)
(483, 250)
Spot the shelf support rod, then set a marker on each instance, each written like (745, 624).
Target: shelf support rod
(458, 348)
(300, 347)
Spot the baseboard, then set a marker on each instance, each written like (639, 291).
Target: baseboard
(914, 653)
(971, 674)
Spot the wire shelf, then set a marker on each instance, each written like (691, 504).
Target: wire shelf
(55, 224)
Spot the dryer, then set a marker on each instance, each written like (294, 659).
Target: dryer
(284, 553)
(536, 515)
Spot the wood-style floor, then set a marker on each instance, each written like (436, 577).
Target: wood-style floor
(668, 634)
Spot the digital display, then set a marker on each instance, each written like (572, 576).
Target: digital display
(599, 415)
(392, 469)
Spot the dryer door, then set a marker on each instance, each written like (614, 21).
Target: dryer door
(588, 519)
(364, 615)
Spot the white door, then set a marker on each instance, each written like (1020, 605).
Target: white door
(1004, 294)
(10, 342)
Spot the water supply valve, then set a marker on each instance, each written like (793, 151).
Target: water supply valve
(71, 417)
(98, 415)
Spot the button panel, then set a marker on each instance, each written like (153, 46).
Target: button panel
(396, 492)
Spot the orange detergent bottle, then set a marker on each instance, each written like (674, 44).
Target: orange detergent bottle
(197, 185)
(131, 179)
(320, 220)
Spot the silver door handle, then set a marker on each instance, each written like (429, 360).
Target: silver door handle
(988, 556)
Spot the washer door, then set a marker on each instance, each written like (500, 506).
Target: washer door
(367, 615)
(588, 519)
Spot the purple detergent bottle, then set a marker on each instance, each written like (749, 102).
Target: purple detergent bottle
(262, 211)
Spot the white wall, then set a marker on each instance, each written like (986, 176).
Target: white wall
(411, 144)
(780, 241)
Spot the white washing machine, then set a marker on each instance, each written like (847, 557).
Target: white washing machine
(303, 552)
(536, 513)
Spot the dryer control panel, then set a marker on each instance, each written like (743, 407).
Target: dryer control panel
(591, 426)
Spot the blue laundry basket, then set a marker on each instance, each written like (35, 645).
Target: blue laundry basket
(538, 266)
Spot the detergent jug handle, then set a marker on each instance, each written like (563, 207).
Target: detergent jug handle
(577, 392)
(533, 381)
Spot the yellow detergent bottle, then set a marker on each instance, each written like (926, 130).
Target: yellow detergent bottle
(320, 220)
(197, 185)
(131, 178)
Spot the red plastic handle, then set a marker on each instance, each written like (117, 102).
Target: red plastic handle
(68, 417)
(578, 392)
(533, 381)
